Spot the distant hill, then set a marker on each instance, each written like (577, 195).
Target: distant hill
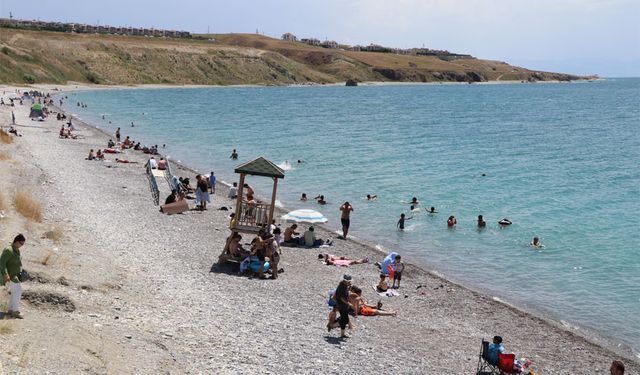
(227, 59)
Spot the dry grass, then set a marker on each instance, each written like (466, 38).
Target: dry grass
(4, 156)
(5, 328)
(47, 258)
(5, 137)
(3, 202)
(27, 206)
(56, 234)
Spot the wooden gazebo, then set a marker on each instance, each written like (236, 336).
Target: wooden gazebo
(250, 217)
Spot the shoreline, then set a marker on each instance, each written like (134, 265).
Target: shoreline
(587, 334)
(415, 272)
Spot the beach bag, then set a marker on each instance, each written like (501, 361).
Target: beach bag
(331, 302)
(24, 276)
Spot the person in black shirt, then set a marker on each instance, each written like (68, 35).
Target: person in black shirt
(342, 302)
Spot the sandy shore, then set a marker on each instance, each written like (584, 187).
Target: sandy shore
(130, 290)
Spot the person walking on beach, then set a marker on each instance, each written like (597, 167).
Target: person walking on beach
(212, 183)
(118, 135)
(346, 209)
(10, 269)
(342, 302)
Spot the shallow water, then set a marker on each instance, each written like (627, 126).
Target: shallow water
(559, 160)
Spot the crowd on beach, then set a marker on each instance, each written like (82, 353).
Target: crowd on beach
(261, 257)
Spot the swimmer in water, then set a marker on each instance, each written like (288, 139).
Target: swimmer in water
(400, 224)
(303, 197)
(451, 222)
(234, 155)
(432, 210)
(481, 222)
(536, 243)
(299, 161)
(414, 201)
(505, 222)
(320, 199)
(371, 197)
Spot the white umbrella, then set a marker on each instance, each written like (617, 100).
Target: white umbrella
(304, 216)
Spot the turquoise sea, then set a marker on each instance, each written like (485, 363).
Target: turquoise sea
(562, 161)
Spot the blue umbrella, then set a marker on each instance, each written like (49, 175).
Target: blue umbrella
(304, 216)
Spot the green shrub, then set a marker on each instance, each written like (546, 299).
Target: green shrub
(6, 50)
(93, 78)
(29, 78)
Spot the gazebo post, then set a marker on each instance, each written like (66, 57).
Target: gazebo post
(239, 198)
(273, 200)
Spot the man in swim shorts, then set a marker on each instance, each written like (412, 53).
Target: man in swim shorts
(346, 209)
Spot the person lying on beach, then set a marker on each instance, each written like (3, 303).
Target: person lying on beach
(91, 155)
(125, 161)
(320, 199)
(363, 308)
(382, 285)
(536, 243)
(334, 260)
(400, 223)
(371, 197)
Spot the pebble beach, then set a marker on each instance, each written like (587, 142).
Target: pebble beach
(124, 288)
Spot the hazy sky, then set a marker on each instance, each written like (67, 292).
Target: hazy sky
(571, 36)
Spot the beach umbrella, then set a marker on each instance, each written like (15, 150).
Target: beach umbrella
(304, 216)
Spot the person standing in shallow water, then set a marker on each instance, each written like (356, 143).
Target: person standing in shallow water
(234, 155)
(345, 218)
(10, 269)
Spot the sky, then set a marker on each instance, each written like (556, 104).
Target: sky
(570, 36)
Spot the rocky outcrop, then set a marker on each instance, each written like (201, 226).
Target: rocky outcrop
(351, 82)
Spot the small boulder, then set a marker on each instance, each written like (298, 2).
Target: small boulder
(351, 82)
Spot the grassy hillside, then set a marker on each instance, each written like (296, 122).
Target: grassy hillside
(49, 57)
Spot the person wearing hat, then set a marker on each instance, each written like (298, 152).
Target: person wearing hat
(342, 302)
(10, 268)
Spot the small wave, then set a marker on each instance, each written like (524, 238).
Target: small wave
(279, 204)
(285, 166)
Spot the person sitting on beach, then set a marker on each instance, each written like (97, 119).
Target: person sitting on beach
(494, 348)
(505, 222)
(91, 155)
(371, 197)
(162, 164)
(363, 308)
(110, 144)
(382, 285)
(536, 243)
(320, 199)
(400, 223)
(432, 210)
(235, 246)
(62, 132)
(290, 234)
(303, 197)
(153, 163)
(310, 239)
(277, 235)
(617, 368)
(187, 185)
(171, 198)
(99, 155)
(481, 222)
(137, 146)
(233, 191)
(334, 260)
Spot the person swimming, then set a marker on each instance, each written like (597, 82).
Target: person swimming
(481, 222)
(414, 201)
(371, 197)
(432, 210)
(451, 222)
(536, 243)
(505, 222)
(303, 197)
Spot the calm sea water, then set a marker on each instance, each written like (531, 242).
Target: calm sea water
(560, 160)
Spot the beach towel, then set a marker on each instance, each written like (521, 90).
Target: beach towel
(158, 173)
(388, 293)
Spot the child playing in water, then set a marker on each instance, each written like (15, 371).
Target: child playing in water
(400, 223)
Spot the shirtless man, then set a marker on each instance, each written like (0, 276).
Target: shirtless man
(289, 234)
(363, 308)
(346, 209)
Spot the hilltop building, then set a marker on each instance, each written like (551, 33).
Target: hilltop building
(289, 37)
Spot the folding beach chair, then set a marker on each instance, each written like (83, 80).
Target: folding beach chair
(485, 367)
(506, 362)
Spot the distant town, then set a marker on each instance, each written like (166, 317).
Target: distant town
(70, 27)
